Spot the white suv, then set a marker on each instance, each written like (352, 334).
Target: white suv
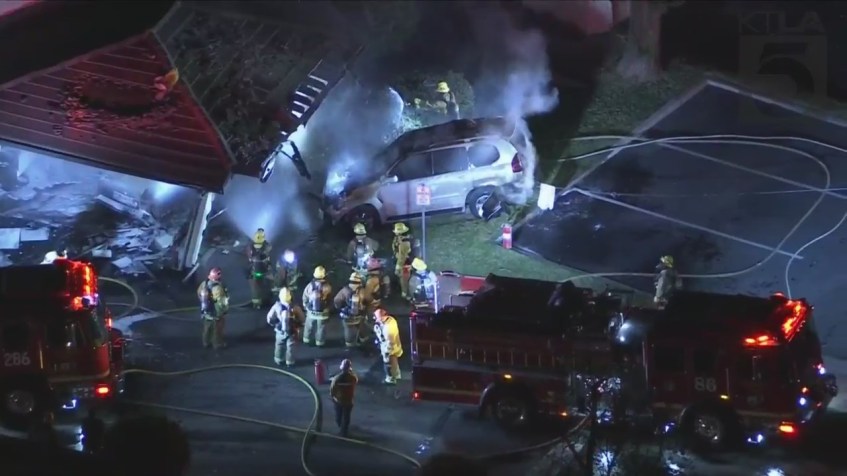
(463, 163)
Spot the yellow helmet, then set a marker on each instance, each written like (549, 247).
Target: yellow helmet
(355, 278)
(359, 229)
(259, 237)
(400, 228)
(667, 260)
(418, 264)
(320, 273)
(285, 296)
(442, 87)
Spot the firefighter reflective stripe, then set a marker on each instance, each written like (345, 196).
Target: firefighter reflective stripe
(355, 303)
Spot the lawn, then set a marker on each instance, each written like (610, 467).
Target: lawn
(617, 108)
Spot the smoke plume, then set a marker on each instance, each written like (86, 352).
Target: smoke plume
(515, 78)
(281, 206)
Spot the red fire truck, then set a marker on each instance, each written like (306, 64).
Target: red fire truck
(715, 366)
(57, 345)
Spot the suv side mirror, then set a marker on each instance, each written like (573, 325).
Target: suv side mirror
(390, 179)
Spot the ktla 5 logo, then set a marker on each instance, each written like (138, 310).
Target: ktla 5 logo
(784, 54)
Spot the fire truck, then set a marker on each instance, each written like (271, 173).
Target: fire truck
(716, 367)
(58, 348)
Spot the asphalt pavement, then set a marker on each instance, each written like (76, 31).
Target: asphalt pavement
(718, 208)
(383, 415)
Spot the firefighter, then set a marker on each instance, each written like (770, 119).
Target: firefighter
(214, 305)
(317, 298)
(375, 287)
(342, 389)
(444, 102)
(422, 283)
(402, 249)
(388, 336)
(93, 431)
(287, 273)
(667, 281)
(352, 302)
(286, 319)
(258, 254)
(361, 248)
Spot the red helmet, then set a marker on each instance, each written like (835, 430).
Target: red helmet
(215, 274)
(374, 264)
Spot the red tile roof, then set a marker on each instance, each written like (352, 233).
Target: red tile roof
(100, 110)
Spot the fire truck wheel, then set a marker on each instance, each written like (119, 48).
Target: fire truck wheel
(709, 429)
(511, 410)
(22, 400)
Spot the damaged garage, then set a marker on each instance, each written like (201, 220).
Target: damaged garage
(116, 152)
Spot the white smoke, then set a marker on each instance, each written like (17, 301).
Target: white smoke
(515, 79)
(281, 206)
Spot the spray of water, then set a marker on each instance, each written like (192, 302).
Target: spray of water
(349, 129)
(281, 206)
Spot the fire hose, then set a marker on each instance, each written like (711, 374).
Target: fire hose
(735, 140)
(311, 431)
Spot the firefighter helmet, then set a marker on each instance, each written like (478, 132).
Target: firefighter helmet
(259, 236)
(288, 257)
(400, 228)
(355, 279)
(346, 365)
(374, 264)
(667, 260)
(320, 273)
(442, 87)
(285, 296)
(215, 274)
(380, 314)
(359, 229)
(419, 265)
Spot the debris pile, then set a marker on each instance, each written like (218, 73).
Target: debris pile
(41, 216)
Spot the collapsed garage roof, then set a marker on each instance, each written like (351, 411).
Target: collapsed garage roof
(235, 74)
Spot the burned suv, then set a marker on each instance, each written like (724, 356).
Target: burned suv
(463, 163)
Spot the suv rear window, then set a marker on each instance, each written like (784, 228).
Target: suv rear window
(483, 155)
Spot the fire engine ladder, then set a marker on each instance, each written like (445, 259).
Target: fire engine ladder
(507, 357)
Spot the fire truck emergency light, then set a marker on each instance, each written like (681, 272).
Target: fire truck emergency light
(83, 287)
(789, 327)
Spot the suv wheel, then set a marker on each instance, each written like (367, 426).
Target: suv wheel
(365, 214)
(476, 199)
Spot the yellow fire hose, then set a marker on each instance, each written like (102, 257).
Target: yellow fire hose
(309, 432)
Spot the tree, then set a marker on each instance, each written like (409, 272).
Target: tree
(640, 60)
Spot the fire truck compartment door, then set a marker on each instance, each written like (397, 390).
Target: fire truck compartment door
(668, 380)
(19, 349)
